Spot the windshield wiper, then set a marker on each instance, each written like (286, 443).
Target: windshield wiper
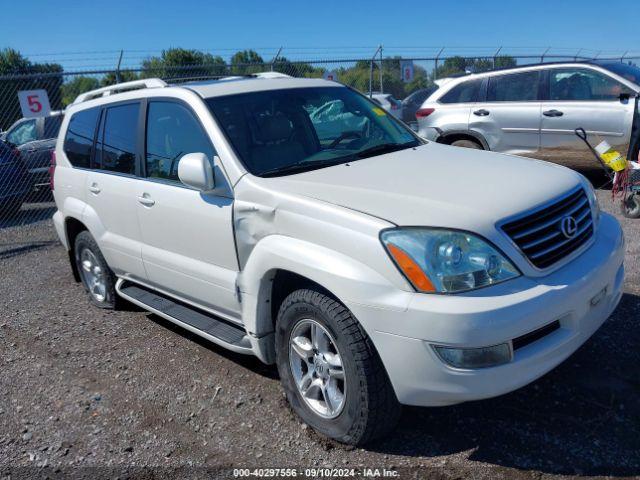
(382, 148)
(299, 167)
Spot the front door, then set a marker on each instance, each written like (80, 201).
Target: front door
(509, 117)
(189, 247)
(581, 97)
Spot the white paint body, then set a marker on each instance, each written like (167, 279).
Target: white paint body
(219, 250)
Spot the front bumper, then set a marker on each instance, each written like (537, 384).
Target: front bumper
(495, 315)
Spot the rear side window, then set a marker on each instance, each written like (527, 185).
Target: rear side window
(517, 87)
(117, 139)
(172, 132)
(78, 141)
(464, 93)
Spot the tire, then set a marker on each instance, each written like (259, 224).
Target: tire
(369, 405)
(466, 144)
(630, 205)
(86, 250)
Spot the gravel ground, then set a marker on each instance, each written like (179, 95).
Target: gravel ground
(90, 393)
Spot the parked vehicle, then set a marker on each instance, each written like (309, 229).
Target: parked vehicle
(413, 102)
(14, 180)
(372, 267)
(534, 110)
(35, 139)
(389, 103)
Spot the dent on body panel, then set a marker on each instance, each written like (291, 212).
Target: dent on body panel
(252, 222)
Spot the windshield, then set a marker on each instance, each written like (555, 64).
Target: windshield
(630, 72)
(280, 132)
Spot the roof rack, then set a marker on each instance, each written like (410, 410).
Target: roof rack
(119, 88)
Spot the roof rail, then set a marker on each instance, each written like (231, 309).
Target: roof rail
(271, 75)
(119, 88)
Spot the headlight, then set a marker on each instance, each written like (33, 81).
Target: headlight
(593, 200)
(446, 261)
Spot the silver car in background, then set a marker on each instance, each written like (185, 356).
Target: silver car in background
(389, 103)
(534, 110)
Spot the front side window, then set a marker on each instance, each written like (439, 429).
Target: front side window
(172, 132)
(286, 131)
(78, 141)
(117, 139)
(24, 132)
(515, 87)
(580, 84)
(463, 93)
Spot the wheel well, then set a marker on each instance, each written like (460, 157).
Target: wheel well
(285, 282)
(73, 227)
(449, 139)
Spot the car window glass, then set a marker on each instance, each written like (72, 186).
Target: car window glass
(172, 132)
(463, 93)
(52, 126)
(583, 85)
(117, 139)
(78, 141)
(23, 133)
(516, 87)
(332, 118)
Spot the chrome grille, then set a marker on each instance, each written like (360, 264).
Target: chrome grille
(541, 235)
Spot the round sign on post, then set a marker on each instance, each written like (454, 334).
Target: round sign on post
(34, 103)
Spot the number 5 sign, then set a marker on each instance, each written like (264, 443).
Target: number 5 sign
(34, 103)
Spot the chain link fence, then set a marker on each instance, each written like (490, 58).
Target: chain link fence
(26, 202)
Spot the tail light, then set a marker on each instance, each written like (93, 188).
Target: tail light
(52, 168)
(394, 106)
(424, 112)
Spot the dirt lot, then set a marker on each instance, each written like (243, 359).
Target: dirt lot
(90, 393)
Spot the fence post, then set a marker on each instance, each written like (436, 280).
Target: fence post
(578, 53)
(118, 67)
(275, 58)
(435, 70)
(494, 57)
(373, 59)
(623, 55)
(381, 88)
(544, 54)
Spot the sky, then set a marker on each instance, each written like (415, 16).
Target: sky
(91, 33)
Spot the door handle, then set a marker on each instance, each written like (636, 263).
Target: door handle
(146, 200)
(481, 113)
(552, 113)
(94, 188)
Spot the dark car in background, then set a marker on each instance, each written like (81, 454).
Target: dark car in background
(412, 103)
(35, 139)
(15, 181)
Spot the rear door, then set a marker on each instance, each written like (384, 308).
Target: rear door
(587, 98)
(454, 107)
(112, 186)
(189, 246)
(508, 116)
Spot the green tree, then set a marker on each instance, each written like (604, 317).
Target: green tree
(183, 63)
(71, 89)
(246, 62)
(13, 63)
(125, 76)
(296, 69)
(459, 65)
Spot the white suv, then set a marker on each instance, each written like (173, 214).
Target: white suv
(534, 110)
(374, 268)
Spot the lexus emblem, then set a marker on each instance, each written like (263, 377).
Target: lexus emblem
(568, 226)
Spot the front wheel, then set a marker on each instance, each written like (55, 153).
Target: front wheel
(466, 144)
(330, 370)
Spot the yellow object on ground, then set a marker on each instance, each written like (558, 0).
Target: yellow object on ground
(612, 158)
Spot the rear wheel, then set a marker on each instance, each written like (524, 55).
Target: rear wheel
(630, 205)
(466, 144)
(97, 278)
(330, 370)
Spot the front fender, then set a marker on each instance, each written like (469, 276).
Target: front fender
(350, 281)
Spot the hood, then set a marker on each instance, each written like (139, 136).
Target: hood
(435, 185)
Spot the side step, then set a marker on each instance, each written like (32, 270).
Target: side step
(191, 318)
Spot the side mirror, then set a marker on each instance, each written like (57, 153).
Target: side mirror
(194, 170)
(625, 96)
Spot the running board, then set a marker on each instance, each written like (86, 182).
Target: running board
(191, 318)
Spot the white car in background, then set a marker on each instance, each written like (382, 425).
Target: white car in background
(389, 103)
(372, 267)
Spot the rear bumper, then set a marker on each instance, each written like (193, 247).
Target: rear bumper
(497, 315)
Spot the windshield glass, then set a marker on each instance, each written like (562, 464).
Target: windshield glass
(630, 72)
(280, 132)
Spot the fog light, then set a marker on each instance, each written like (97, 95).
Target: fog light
(475, 357)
